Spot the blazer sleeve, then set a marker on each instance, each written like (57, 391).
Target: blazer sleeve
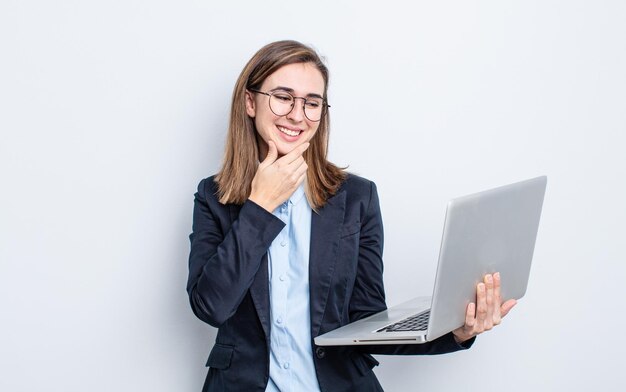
(368, 295)
(222, 265)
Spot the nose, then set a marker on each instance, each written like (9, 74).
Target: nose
(297, 111)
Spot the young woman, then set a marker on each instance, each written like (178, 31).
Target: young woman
(287, 246)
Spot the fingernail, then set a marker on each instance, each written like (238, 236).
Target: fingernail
(496, 275)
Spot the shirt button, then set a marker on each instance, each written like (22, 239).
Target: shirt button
(320, 352)
(286, 365)
(279, 320)
(283, 243)
(282, 278)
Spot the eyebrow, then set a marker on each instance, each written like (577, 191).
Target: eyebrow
(291, 91)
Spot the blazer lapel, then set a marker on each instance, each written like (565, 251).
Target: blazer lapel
(259, 290)
(325, 232)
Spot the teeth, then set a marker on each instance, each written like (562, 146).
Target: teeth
(288, 131)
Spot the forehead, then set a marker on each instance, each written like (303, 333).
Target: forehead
(303, 78)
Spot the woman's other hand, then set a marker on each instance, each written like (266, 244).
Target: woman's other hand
(277, 178)
(488, 310)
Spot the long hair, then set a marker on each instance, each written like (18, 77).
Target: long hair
(241, 155)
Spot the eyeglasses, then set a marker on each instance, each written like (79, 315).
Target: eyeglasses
(282, 103)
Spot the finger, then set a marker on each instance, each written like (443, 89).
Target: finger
(302, 169)
(301, 179)
(489, 300)
(296, 163)
(470, 315)
(272, 154)
(488, 280)
(297, 177)
(295, 153)
(481, 306)
(496, 289)
(507, 306)
(497, 299)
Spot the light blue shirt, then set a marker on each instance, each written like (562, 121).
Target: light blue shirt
(291, 356)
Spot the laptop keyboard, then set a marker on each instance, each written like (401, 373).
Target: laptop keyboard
(419, 322)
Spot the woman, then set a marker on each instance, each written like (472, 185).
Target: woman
(290, 248)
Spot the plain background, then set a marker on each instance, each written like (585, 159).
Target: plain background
(112, 111)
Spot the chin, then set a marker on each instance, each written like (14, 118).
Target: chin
(286, 149)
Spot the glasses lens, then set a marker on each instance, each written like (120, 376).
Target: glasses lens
(281, 103)
(313, 108)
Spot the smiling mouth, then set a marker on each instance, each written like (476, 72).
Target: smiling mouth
(288, 132)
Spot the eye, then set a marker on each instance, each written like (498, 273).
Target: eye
(313, 104)
(282, 97)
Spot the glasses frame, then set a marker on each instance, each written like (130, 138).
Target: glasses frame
(325, 104)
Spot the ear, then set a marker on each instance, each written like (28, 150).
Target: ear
(250, 104)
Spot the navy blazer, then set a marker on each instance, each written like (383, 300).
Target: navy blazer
(228, 287)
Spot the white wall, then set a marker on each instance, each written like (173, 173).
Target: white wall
(112, 111)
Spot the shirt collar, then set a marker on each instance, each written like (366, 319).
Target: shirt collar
(297, 195)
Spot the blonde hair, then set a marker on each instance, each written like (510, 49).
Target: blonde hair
(241, 155)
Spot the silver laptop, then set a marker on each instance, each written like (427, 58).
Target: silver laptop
(485, 232)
